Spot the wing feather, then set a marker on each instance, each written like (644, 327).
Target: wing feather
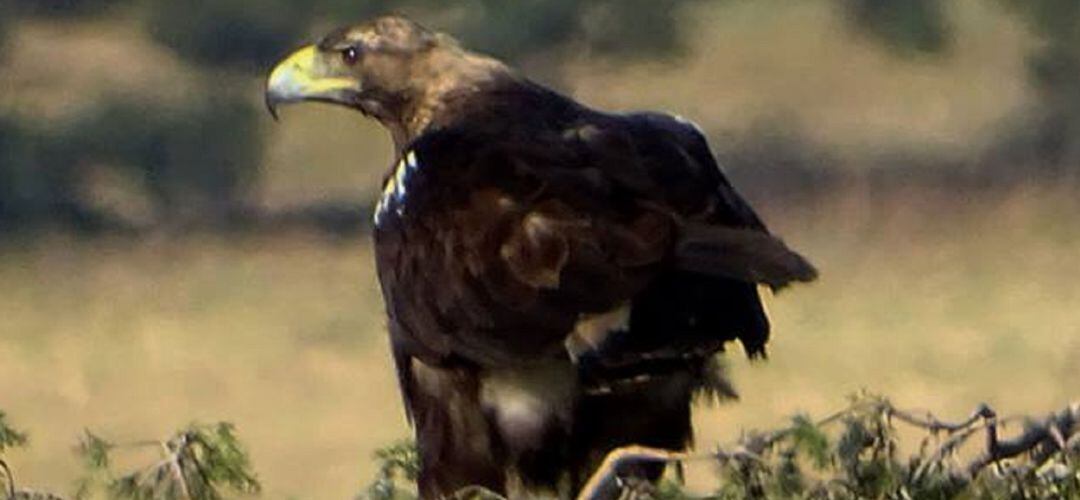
(525, 232)
(742, 254)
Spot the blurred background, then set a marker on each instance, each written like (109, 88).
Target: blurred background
(168, 253)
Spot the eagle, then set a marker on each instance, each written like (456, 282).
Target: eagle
(558, 280)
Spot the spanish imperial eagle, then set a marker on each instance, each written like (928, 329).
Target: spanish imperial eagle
(556, 278)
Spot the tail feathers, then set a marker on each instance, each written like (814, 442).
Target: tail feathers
(743, 254)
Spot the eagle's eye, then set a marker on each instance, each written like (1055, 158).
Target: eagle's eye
(350, 56)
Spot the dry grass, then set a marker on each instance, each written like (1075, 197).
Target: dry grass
(936, 301)
(932, 297)
(282, 337)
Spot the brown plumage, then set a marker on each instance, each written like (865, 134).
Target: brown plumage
(557, 279)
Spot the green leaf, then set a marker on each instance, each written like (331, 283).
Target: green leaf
(220, 458)
(400, 460)
(810, 440)
(94, 451)
(9, 437)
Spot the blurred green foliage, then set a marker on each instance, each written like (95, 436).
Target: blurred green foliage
(1053, 140)
(248, 34)
(908, 27)
(627, 28)
(198, 161)
(636, 28)
(9, 437)
(200, 155)
(62, 8)
(398, 463)
(13, 190)
(193, 162)
(35, 177)
(5, 20)
(251, 34)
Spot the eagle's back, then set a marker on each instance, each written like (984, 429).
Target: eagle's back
(525, 234)
(529, 210)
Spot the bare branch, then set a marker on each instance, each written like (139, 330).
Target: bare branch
(597, 486)
(1060, 432)
(9, 479)
(173, 453)
(933, 424)
(476, 492)
(1067, 422)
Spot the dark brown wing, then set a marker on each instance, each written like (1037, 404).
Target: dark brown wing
(721, 235)
(503, 244)
(509, 232)
(706, 294)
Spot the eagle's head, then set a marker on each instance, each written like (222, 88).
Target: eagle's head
(390, 68)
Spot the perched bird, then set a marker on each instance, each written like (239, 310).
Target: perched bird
(557, 279)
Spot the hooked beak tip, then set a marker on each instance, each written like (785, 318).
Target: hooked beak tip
(271, 106)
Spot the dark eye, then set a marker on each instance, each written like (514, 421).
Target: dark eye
(350, 55)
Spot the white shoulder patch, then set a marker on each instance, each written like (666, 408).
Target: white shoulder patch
(396, 188)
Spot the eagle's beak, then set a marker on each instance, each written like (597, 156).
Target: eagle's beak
(306, 76)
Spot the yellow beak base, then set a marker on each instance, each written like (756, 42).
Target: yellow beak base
(305, 76)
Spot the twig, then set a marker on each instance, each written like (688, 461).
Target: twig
(475, 492)
(933, 424)
(1035, 435)
(605, 474)
(945, 449)
(177, 469)
(10, 479)
(756, 445)
(959, 433)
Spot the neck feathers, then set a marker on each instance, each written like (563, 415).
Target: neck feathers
(446, 81)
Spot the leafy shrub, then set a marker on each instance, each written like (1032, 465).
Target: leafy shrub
(9, 437)
(399, 462)
(849, 455)
(855, 453)
(201, 462)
